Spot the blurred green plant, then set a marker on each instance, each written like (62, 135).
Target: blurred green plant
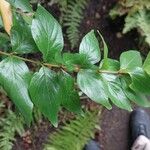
(10, 124)
(137, 15)
(72, 14)
(74, 135)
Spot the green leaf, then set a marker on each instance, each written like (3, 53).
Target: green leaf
(12, 78)
(146, 64)
(115, 91)
(47, 34)
(43, 91)
(27, 18)
(24, 5)
(105, 61)
(137, 98)
(140, 81)
(4, 38)
(130, 60)
(92, 85)
(21, 37)
(71, 61)
(49, 90)
(4, 41)
(90, 47)
(113, 65)
(67, 94)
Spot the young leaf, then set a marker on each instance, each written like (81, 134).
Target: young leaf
(140, 81)
(112, 65)
(67, 94)
(12, 78)
(137, 98)
(21, 37)
(92, 85)
(47, 34)
(43, 91)
(146, 64)
(90, 47)
(115, 91)
(105, 61)
(130, 60)
(24, 5)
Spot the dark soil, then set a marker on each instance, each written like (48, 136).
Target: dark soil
(114, 124)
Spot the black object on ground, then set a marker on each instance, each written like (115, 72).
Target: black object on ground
(139, 124)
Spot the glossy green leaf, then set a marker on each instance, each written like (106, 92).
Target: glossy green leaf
(21, 37)
(13, 78)
(67, 94)
(92, 85)
(49, 91)
(43, 91)
(113, 65)
(71, 61)
(135, 97)
(90, 47)
(24, 5)
(115, 91)
(140, 81)
(105, 48)
(130, 60)
(146, 64)
(47, 34)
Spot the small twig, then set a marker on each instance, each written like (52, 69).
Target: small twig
(76, 68)
(84, 97)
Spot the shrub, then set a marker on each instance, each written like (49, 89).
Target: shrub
(53, 86)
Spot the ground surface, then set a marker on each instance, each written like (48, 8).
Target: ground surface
(114, 124)
(115, 132)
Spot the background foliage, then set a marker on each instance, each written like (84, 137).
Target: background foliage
(72, 14)
(52, 87)
(137, 14)
(74, 135)
(10, 124)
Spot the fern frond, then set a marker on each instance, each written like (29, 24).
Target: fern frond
(73, 18)
(1, 105)
(9, 125)
(74, 135)
(128, 7)
(63, 4)
(138, 16)
(141, 21)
